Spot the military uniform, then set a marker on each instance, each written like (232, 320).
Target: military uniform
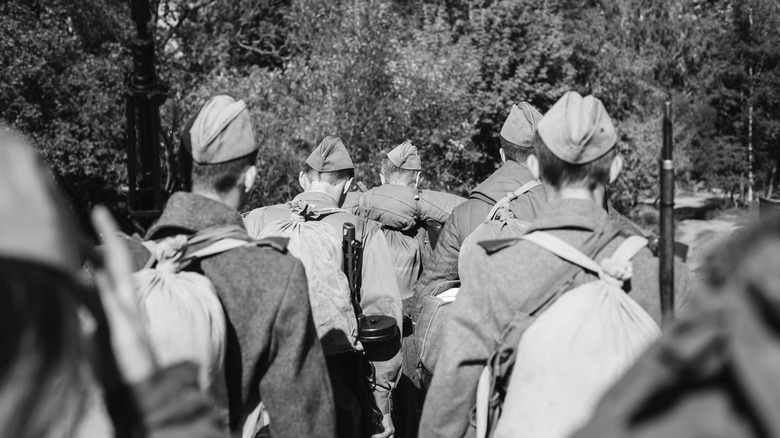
(498, 287)
(519, 128)
(401, 212)
(379, 294)
(272, 354)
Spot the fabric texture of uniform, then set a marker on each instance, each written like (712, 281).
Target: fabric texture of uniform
(272, 347)
(575, 349)
(578, 129)
(379, 295)
(329, 156)
(466, 217)
(499, 286)
(222, 131)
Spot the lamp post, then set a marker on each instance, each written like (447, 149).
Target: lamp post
(146, 194)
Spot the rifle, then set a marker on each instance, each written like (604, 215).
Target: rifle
(375, 332)
(666, 243)
(146, 195)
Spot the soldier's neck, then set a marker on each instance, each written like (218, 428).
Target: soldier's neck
(232, 199)
(335, 192)
(583, 193)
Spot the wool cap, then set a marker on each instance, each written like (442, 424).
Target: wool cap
(520, 127)
(405, 156)
(578, 129)
(331, 155)
(35, 223)
(222, 131)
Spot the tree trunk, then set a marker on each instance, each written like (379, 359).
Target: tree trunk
(771, 182)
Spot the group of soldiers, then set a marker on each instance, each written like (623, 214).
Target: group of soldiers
(274, 355)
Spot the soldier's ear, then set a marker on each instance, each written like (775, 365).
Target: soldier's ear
(502, 154)
(304, 181)
(382, 177)
(615, 168)
(249, 178)
(533, 166)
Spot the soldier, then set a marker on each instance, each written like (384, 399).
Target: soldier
(272, 349)
(575, 157)
(517, 136)
(325, 179)
(403, 212)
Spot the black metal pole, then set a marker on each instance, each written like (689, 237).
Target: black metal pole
(146, 192)
(666, 253)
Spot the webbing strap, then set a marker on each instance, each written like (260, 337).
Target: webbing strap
(483, 400)
(625, 252)
(511, 197)
(218, 247)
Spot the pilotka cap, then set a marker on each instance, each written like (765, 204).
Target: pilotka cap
(35, 224)
(405, 156)
(222, 131)
(520, 127)
(578, 129)
(331, 155)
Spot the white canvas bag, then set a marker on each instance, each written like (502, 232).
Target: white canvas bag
(575, 350)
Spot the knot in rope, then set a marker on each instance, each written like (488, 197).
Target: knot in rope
(616, 272)
(169, 253)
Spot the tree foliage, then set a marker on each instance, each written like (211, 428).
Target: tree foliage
(376, 72)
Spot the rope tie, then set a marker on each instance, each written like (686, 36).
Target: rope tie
(616, 272)
(169, 253)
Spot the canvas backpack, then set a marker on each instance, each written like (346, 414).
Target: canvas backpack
(553, 364)
(500, 223)
(181, 310)
(435, 309)
(318, 245)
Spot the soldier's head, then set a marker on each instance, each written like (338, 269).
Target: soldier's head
(328, 169)
(575, 149)
(401, 166)
(518, 132)
(224, 151)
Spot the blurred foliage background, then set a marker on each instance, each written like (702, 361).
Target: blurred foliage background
(443, 73)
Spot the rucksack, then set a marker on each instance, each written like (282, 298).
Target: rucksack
(434, 312)
(552, 365)
(500, 223)
(181, 310)
(318, 245)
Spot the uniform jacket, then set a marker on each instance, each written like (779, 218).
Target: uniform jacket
(466, 217)
(497, 286)
(400, 212)
(273, 352)
(380, 294)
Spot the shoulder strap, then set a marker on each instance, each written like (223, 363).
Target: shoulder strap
(218, 247)
(629, 248)
(511, 197)
(562, 249)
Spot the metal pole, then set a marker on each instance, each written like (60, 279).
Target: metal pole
(666, 253)
(146, 192)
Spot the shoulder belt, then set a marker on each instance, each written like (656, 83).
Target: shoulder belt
(511, 196)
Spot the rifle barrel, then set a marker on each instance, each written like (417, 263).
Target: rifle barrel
(666, 265)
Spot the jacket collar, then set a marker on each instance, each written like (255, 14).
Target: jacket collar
(191, 213)
(507, 178)
(318, 199)
(569, 214)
